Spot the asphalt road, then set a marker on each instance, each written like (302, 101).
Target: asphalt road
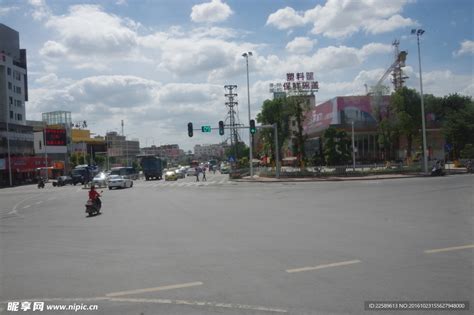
(240, 248)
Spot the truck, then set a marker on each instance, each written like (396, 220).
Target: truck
(152, 167)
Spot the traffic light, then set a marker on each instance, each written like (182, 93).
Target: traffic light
(190, 129)
(253, 129)
(221, 128)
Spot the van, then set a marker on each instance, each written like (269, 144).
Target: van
(128, 172)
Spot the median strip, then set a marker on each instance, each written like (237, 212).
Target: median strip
(337, 264)
(448, 249)
(147, 290)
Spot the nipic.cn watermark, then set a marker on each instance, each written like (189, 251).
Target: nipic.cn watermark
(38, 306)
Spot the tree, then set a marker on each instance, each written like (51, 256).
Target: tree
(298, 105)
(77, 158)
(274, 111)
(407, 110)
(336, 146)
(458, 128)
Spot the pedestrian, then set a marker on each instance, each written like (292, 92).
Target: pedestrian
(197, 173)
(204, 174)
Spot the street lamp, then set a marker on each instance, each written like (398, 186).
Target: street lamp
(246, 56)
(353, 148)
(418, 33)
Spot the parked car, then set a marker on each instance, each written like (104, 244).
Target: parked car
(100, 180)
(63, 180)
(171, 175)
(119, 181)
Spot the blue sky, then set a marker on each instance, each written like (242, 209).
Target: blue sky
(158, 64)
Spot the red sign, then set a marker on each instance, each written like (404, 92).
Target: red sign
(55, 137)
(27, 163)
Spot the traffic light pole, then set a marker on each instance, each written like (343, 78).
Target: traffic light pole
(275, 132)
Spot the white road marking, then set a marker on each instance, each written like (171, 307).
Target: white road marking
(203, 303)
(447, 249)
(337, 264)
(16, 206)
(163, 288)
(39, 202)
(26, 207)
(161, 301)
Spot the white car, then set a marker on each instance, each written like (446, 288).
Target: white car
(100, 180)
(119, 181)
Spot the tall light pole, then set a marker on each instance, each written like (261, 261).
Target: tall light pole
(246, 56)
(418, 33)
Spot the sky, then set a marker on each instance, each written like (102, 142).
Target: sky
(159, 64)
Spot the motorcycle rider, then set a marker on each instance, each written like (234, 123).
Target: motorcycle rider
(94, 196)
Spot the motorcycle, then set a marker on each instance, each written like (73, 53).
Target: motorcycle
(469, 167)
(437, 170)
(40, 183)
(92, 207)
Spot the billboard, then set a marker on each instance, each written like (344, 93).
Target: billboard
(56, 137)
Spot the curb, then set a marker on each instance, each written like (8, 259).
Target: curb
(289, 180)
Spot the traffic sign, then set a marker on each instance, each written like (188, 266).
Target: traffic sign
(231, 159)
(448, 147)
(206, 128)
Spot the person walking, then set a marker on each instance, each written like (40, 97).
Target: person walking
(204, 179)
(197, 173)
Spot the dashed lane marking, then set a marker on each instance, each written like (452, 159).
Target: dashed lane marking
(337, 264)
(162, 288)
(448, 249)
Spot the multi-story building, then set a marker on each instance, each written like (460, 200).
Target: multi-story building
(170, 152)
(121, 152)
(18, 140)
(208, 151)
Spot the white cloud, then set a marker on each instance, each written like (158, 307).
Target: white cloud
(467, 48)
(211, 12)
(340, 18)
(7, 10)
(53, 49)
(40, 10)
(444, 82)
(300, 45)
(285, 18)
(110, 35)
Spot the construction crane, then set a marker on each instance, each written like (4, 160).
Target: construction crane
(398, 78)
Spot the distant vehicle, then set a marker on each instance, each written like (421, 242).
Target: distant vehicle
(191, 171)
(171, 175)
(118, 181)
(152, 167)
(181, 172)
(64, 180)
(225, 169)
(80, 175)
(100, 180)
(128, 172)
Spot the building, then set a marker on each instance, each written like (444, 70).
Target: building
(121, 152)
(90, 147)
(365, 112)
(170, 152)
(18, 141)
(209, 151)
